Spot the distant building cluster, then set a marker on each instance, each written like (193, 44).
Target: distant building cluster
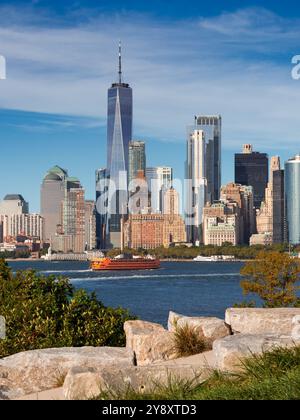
(139, 206)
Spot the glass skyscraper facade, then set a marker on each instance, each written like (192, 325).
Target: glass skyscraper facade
(137, 159)
(292, 199)
(252, 169)
(119, 128)
(119, 135)
(212, 127)
(196, 187)
(279, 234)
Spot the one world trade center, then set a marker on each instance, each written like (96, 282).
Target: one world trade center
(119, 134)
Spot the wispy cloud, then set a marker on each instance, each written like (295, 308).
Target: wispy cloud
(236, 64)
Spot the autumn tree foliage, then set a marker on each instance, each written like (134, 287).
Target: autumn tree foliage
(274, 277)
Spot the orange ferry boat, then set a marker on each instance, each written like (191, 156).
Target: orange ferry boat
(124, 263)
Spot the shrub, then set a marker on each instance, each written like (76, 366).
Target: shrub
(46, 311)
(188, 342)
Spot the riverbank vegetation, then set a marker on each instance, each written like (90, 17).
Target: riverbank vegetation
(46, 311)
(272, 376)
(14, 255)
(243, 252)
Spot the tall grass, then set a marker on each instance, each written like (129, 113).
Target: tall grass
(188, 342)
(273, 375)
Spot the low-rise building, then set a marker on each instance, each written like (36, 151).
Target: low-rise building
(151, 231)
(265, 239)
(221, 224)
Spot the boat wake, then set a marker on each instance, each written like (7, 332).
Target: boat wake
(64, 271)
(154, 276)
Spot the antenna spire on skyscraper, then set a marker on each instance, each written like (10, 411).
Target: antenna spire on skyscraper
(120, 62)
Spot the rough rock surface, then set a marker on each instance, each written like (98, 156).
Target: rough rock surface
(87, 385)
(173, 320)
(261, 320)
(296, 328)
(38, 370)
(8, 390)
(150, 342)
(209, 328)
(230, 351)
(134, 328)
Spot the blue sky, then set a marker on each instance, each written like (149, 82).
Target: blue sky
(181, 58)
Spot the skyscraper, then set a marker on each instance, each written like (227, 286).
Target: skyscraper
(119, 134)
(279, 226)
(242, 196)
(251, 168)
(159, 179)
(13, 204)
(292, 199)
(102, 203)
(74, 214)
(171, 202)
(137, 159)
(196, 183)
(270, 217)
(211, 125)
(52, 195)
(90, 225)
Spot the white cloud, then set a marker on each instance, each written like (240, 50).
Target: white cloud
(231, 64)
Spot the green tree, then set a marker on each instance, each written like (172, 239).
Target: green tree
(46, 311)
(273, 276)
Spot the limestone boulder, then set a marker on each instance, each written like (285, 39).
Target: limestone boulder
(229, 352)
(135, 328)
(296, 328)
(262, 320)
(8, 390)
(209, 328)
(83, 384)
(39, 370)
(150, 342)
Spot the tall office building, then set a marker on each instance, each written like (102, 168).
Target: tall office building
(251, 168)
(63, 210)
(90, 224)
(242, 196)
(137, 159)
(52, 195)
(70, 233)
(119, 134)
(1, 231)
(279, 225)
(171, 202)
(102, 207)
(13, 204)
(292, 199)
(196, 183)
(159, 180)
(74, 214)
(211, 125)
(270, 217)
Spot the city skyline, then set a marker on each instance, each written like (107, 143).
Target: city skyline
(43, 127)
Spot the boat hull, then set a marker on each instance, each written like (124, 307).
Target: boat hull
(107, 264)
